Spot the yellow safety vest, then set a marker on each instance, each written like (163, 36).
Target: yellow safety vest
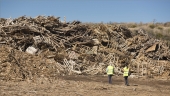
(126, 71)
(110, 70)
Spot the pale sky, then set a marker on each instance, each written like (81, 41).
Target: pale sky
(90, 10)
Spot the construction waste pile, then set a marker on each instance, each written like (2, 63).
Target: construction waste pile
(45, 46)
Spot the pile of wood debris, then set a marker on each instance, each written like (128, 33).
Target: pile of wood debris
(45, 46)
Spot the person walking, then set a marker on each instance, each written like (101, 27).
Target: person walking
(110, 72)
(126, 74)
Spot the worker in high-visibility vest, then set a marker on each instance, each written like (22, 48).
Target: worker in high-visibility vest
(110, 72)
(126, 74)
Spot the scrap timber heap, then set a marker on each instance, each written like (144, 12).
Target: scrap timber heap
(45, 46)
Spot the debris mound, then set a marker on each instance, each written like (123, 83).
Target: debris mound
(45, 46)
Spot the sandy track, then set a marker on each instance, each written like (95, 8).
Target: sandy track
(85, 86)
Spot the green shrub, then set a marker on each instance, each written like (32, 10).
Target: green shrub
(160, 28)
(152, 26)
(133, 26)
(166, 38)
(159, 35)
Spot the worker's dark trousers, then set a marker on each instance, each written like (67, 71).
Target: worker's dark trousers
(126, 80)
(110, 79)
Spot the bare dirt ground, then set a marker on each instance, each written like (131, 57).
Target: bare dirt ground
(85, 86)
